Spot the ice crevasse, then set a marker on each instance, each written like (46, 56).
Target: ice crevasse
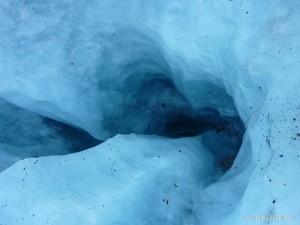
(149, 112)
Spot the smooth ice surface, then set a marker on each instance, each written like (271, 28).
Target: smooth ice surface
(118, 182)
(83, 63)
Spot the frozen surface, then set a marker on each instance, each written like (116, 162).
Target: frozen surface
(118, 182)
(26, 134)
(110, 67)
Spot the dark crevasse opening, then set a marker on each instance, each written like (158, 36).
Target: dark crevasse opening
(148, 98)
(153, 99)
(76, 138)
(152, 106)
(156, 107)
(26, 134)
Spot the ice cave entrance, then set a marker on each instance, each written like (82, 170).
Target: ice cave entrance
(149, 97)
(153, 105)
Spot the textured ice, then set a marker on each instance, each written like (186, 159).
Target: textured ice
(121, 181)
(109, 67)
(26, 134)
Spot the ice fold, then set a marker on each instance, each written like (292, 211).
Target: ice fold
(118, 182)
(69, 61)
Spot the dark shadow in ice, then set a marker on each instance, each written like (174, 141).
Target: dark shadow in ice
(150, 101)
(30, 134)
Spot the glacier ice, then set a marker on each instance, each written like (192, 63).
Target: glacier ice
(27, 134)
(121, 181)
(218, 79)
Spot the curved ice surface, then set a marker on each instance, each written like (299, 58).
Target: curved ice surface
(118, 182)
(84, 63)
